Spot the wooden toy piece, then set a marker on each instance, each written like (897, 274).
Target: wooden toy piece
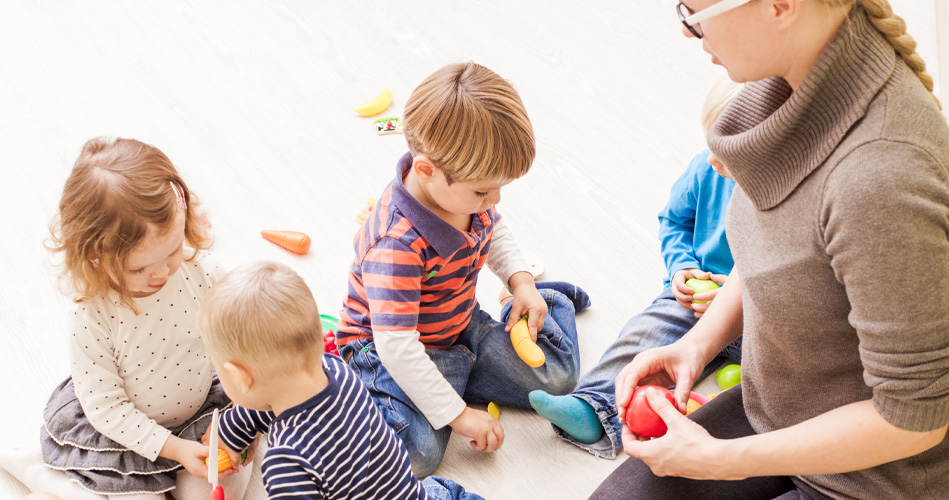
(294, 241)
(494, 409)
(525, 348)
(386, 126)
(217, 493)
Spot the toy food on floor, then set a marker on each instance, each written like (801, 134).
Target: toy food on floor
(525, 348)
(701, 286)
(294, 241)
(640, 416)
(375, 105)
(329, 333)
(494, 410)
(386, 126)
(728, 377)
(370, 204)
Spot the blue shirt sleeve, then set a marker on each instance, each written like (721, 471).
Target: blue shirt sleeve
(240, 426)
(677, 221)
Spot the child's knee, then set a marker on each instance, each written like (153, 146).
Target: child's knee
(425, 449)
(426, 459)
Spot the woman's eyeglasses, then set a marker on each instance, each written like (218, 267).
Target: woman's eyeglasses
(691, 19)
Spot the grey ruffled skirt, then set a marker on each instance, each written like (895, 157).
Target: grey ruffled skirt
(101, 465)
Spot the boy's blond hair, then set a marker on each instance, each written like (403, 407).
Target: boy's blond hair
(471, 123)
(116, 190)
(718, 99)
(264, 315)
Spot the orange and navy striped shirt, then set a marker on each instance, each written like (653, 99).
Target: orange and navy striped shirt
(413, 270)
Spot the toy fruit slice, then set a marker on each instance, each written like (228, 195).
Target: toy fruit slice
(375, 105)
(223, 461)
(294, 241)
(494, 410)
(525, 348)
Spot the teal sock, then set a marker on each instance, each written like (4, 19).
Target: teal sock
(574, 415)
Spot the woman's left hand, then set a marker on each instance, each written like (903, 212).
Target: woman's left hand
(686, 450)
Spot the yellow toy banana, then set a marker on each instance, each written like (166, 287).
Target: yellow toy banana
(525, 348)
(376, 105)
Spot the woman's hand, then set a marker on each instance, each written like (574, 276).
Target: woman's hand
(686, 450)
(673, 364)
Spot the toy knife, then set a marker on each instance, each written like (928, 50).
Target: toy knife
(217, 493)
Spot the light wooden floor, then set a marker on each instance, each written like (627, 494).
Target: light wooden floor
(253, 101)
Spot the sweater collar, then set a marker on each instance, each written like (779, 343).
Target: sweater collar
(771, 139)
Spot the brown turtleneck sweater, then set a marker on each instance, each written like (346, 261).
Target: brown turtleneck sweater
(839, 228)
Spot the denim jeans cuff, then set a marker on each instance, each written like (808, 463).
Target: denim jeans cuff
(611, 443)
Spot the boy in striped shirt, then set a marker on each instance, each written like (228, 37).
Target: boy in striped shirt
(411, 326)
(326, 439)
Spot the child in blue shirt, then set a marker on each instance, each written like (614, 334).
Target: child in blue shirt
(326, 438)
(692, 232)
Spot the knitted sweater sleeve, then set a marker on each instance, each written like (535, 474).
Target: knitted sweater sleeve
(885, 221)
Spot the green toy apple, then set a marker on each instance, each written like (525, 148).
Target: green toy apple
(728, 377)
(700, 286)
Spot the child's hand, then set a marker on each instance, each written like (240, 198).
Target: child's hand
(684, 294)
(190, 454)
(527, 300)
(708, 296)
(485, 432)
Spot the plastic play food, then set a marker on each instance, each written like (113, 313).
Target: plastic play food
(640, 416)
(294, 241)
(728, 377)
(386, 126)
(494, 410)
(375, 105)
(700, 286)
(223, 461)
(695, 402)
(525, 348)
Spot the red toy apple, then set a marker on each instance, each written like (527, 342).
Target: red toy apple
(641, 418)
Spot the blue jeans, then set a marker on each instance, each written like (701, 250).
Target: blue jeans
(439, 488)
(482, 367)
(662, 323)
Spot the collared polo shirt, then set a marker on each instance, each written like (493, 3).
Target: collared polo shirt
(413, 270)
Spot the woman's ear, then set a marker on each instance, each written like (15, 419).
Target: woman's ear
(424, 168)
(241, 374)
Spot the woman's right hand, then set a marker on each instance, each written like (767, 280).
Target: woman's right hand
(674, 364)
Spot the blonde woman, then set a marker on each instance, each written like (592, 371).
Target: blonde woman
(838, 228)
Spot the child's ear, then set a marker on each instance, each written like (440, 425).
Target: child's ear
(240, 373)
(424, 168)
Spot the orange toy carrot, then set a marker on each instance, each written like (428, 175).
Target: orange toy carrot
(294, 241)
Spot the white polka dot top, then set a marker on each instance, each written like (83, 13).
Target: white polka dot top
(136, 375)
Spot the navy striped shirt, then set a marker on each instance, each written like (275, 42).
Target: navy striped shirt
(335, 445)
